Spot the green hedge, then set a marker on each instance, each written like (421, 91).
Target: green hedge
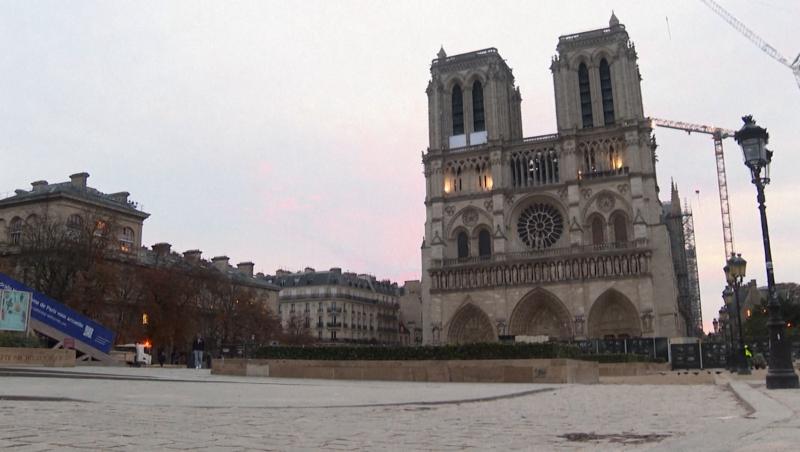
(616, 358)
(12, 339)
(445, 352)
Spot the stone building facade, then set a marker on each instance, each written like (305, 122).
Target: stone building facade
(336, 306)
(558, 235)
(74, 204)
(79, 209)
(411, 311)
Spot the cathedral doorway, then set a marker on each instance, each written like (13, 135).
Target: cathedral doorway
(540, 313)
(613, 316)
(470, 325)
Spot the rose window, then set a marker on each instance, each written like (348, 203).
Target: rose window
(540, 226)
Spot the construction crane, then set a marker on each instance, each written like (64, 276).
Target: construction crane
(755, 39)
(718, 134)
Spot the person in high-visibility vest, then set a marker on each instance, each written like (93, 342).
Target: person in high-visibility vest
(748, 356)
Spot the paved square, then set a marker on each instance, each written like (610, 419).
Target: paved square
(182, 409)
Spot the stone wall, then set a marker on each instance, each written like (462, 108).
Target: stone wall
(632, 369)
(37, 357)
(489, 371)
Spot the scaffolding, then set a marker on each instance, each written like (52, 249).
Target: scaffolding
(691, 268)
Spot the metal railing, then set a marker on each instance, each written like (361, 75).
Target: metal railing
(543, 254)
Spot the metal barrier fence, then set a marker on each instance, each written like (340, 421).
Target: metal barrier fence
(656, 348)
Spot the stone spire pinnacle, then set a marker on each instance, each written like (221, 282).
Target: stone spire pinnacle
(442, 53)
(613, 22)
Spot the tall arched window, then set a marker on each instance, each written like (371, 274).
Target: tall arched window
(478, 121)
(586, 96)
(15, 231)
(605, 91)
(463, 245)
(458, 111)
(620, 228)
(598, 231)
(484, 243)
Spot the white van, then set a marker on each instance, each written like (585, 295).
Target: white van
(133, 354)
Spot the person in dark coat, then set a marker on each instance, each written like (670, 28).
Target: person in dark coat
(162, 357)
(198, 347)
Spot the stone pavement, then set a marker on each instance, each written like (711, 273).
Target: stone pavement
(180, 409)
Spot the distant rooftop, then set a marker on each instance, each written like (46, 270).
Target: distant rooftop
(77, 189)
(335, 277)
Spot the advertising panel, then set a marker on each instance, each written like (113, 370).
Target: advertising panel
(15, 308)
(62, 318)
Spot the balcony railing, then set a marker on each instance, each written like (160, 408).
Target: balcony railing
(334, 310)
(607, 173)
(333, 324)
(543, 254)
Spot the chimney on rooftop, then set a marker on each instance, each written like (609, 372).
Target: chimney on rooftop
(79, 179)
(39, 185)
(220, 262)
(162, 248)
(246, 268)
(192, 256)
(121, 197)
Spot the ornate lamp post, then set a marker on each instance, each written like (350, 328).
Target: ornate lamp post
(724, 324)
(734, 274)
(753, 140)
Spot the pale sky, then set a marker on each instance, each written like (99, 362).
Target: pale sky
(290, 133)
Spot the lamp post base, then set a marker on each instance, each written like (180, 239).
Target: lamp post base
(782, 379)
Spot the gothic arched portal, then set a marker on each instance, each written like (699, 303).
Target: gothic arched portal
(540, 313)
(613, 315)
(470, 325)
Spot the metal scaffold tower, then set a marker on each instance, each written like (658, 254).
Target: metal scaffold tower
(691, 267)
(718, 135)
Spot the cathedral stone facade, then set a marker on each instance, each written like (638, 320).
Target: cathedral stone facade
(557, 235)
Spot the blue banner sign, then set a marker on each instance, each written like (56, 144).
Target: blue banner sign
(62, 318)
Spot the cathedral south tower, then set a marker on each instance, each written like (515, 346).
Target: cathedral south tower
(557, 235)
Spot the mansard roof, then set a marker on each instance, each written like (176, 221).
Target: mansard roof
(42, 191)
(334, 277)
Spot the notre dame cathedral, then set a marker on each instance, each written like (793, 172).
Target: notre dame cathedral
(557, 235)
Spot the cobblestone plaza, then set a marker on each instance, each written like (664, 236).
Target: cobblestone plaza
(184, 409)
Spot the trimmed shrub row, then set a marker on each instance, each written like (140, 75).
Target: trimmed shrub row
(19, 340)
(445, 352)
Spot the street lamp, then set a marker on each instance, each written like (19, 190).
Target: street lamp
(734, 274)
(724, 323)
(753, 140)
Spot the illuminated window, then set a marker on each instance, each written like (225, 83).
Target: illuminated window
(145, 319)
(126, 239)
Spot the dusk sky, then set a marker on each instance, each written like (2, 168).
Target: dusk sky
(290, 133)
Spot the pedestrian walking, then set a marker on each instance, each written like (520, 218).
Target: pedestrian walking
(198, 347)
